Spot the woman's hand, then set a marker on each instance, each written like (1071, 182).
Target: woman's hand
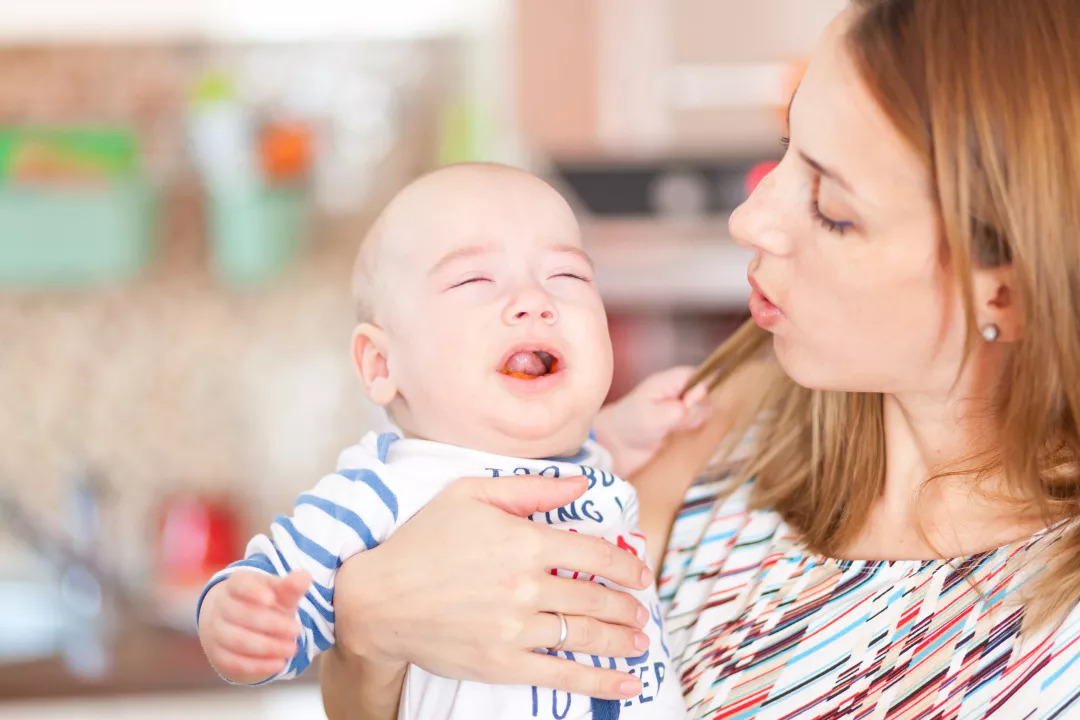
(465, 590)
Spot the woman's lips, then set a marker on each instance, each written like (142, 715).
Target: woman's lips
(764, 312)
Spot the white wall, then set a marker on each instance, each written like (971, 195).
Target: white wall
(58, 20)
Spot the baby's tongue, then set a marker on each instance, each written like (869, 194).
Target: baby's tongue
(526, 363)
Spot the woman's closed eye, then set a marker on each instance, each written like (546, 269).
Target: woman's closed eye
(837, 226)
(832, 225)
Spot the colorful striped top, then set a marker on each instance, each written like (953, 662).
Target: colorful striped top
(764, 629)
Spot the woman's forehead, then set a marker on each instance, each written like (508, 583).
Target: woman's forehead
(835, 120)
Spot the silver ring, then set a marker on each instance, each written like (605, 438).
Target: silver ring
(564, 631)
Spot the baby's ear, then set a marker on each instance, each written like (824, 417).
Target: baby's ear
(370, 358)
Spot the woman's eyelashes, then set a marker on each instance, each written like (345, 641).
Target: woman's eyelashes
(832, 225)
(836, 226)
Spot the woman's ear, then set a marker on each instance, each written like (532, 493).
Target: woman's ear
(370, 354)
(994, 304)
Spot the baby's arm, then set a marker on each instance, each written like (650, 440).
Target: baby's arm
(248, 626)
(634, 427)
(279, 597)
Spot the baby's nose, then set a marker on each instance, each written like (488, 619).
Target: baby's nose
(531, 304)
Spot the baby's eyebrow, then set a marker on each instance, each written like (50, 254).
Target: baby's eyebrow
(573, 250)
(461, 253)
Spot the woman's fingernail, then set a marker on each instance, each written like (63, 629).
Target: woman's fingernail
(630, 688)
(641, 641)
(646, 577)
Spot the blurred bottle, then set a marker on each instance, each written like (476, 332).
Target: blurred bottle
(221, 135)
(88, 612)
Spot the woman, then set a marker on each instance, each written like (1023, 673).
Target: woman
(896, 532)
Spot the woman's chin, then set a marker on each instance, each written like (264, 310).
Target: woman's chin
(806, 372)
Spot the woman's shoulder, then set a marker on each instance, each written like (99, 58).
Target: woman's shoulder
(717, 518)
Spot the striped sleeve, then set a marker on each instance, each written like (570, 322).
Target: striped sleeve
(345, 513)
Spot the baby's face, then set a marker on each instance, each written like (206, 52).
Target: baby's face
(496, 335)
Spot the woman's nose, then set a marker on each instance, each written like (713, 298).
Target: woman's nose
(758, 224)
(530, 303)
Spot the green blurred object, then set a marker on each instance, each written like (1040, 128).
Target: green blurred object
(30, 154)
(214, 86)
(62, 236)
(257, 231)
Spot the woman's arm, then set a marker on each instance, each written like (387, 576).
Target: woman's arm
(465, 590)
(359, 687)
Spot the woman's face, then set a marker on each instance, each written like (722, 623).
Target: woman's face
(847, 244)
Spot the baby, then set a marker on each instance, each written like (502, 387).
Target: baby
(484, 337)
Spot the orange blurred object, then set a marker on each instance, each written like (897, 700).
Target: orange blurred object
(795, 75)
(285, 151)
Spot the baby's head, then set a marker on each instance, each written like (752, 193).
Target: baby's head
(480, 322)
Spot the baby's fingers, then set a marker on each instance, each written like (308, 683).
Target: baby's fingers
(246, 643)
(251, 586)
(272, 621)
(240, 668)
(289, 589)
(696, 415)
(668, 384)
(695, 395)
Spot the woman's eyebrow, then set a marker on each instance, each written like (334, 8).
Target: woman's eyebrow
(826, 172)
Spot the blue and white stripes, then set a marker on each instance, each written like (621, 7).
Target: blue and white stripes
(347, 512)
(380, 483)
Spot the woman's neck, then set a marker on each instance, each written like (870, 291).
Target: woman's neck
(925, 436)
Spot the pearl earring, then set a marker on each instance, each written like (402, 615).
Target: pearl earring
(990, 332)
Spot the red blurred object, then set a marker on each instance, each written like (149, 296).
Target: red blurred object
(758, 173)
(197, 536)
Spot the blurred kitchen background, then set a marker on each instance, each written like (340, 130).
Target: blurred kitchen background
(182, 188)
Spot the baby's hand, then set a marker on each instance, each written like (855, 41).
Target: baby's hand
(248, 626)
(634, 427)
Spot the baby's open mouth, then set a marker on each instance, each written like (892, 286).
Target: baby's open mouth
(530, 364)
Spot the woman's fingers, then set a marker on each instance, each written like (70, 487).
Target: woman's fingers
(586, 636)
(528, 494)
(468, 604)
(591, 599)
(552, 671)
(593, 556)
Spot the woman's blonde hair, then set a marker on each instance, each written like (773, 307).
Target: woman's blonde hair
(988, 93)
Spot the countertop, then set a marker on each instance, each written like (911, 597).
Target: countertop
(145, 659)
